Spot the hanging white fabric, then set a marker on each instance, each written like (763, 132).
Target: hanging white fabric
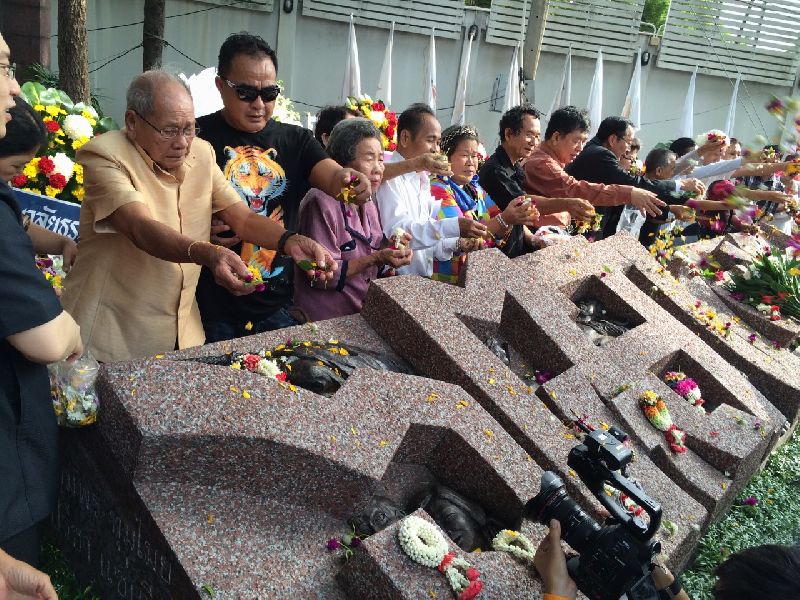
(351, 86)
(686, 128)
(595, 104)
(633, 101)
(563, 95)
(384, 91)
(730, 122)
(460, 104)
(430, 74)
(512, 97)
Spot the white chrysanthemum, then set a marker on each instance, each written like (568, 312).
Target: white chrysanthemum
(422, 541)
(268, 367)
(64, 165)
(77, 127)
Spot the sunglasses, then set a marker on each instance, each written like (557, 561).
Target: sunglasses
(248, 93)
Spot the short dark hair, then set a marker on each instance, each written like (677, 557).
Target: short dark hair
(328, 117)
(512, 119)
(567, 119)
(734, 141)
(609, 126)
(657, 158)
(682, 145)
(769, 571)
(25, 132)
(243, 43)
(347, 135)
(411, 118)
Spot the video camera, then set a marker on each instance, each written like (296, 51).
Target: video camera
(615, 558)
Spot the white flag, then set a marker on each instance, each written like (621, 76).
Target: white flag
(595, 104)
(512, 85)
(633, 102)
(564, 91)
(351, 86)
(430, 74)
(384, 91)
(686, 128)
(731, 121)
(460, 105)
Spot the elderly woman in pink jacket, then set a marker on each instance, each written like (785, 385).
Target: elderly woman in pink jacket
(352, 234)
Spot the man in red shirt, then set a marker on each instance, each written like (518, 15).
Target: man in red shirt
(564, 139)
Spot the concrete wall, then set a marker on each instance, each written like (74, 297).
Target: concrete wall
(314, 72)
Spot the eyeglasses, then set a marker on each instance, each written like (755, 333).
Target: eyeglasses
(11, 70)
(248, 93)
(170, 133)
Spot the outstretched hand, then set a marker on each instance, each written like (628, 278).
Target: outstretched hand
(303, 249)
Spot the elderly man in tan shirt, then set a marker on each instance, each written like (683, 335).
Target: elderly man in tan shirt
(151, 190)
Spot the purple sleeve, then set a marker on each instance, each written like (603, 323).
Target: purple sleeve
(321, 220)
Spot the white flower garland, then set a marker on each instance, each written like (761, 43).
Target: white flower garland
(515, 544)
(422, 541)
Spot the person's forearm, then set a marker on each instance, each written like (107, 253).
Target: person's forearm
(50, 342)
(756, 194)
(548, 206)
(261, 231)
(395, 169)
(45, 241)
(161, 241)
(760, 169)
(362, 263)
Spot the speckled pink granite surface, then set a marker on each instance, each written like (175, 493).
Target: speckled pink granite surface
(187, 483)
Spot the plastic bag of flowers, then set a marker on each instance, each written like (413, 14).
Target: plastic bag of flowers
(72, 387)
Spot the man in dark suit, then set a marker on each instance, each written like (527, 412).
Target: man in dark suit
(599, 163)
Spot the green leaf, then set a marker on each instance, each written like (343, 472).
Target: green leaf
(209, 589)
(31, 91)
(107, 124)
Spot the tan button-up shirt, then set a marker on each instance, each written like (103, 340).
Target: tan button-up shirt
(128, 303)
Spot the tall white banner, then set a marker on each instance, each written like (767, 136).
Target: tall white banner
(460, 105)
(595, 104)
(430, 74)
(351, 86)
(633, 101)
(686, 128)
(730, 122)
(512, 85)
(384, 91)
(563, 95)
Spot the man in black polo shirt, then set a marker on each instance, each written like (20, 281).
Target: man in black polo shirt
(272, 165)
(502, 177)
(598, 162)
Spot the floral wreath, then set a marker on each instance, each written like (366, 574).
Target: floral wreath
(424, 544)
(515, 544)
(258, 363)
(655, 409)
(377, 112)
(687, 388)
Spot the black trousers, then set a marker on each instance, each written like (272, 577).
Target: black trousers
(26, 545)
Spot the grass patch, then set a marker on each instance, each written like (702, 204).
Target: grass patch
(774, 520)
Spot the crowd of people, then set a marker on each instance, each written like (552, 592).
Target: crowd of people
(179, 213)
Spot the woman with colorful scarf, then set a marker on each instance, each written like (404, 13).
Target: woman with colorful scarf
(461, 196)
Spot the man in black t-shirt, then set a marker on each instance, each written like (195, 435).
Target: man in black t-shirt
(271, 165)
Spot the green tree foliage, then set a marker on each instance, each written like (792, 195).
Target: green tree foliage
(655, 12)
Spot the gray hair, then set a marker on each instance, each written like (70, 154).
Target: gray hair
(142, 90)
(347, 135)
